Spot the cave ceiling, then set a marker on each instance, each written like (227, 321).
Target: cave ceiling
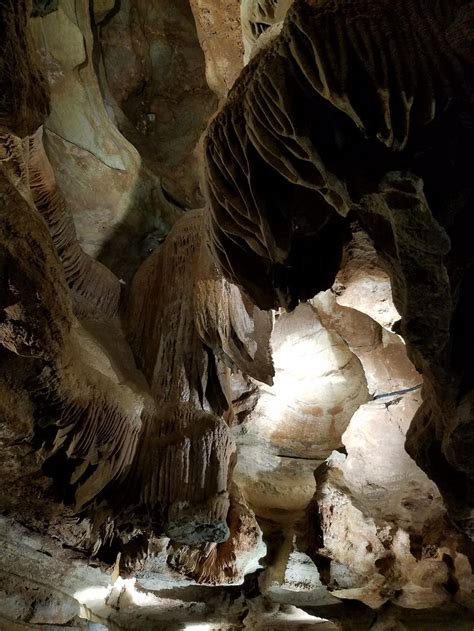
(236, 341)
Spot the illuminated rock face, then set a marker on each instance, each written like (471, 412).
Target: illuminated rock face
(318, 385)
(378, 470)
(360, 309)
(219, 377)
(315, 134)
(373, 561)
(382, 521)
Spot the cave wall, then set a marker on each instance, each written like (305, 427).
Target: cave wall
(383, 159)
(236, 372)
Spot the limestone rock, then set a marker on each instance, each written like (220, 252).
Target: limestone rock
(219, 32)
(94, 287)
(64, 585)
(293, 579)
(383, 354)
(186, 346)
(428, 301)
(261, 22)
(337, 174)
(363, 285)
(155, 73)
(24, 103)
(295, 135)
(276, 488)
(38, 326)
(266, 615)
(109, 191)
(318, 386)
(373, 561)
(78, 115)
(227, 562)
(199, 312)
(382, 520)
(29, 287)
(93, 414)
(380, 474)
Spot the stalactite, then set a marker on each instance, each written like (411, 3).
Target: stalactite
(339, 82)
(188, 327)
(184, 315)
(220, 563)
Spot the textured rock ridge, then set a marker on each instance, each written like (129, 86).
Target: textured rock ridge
(186, 345)
(337, 114)
(24, 102)
(273, 120)
(262, 20)
(90, 281)
(236, 374)
(123, 453)
(225, 562)
(198, 312)
(86, 422)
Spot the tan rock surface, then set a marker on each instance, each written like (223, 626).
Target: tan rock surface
(155, 72)
(318, 386)
(332, 178)
(220, 36)
(363, 285)
(373, 560)
(262, 21)
(383, 354)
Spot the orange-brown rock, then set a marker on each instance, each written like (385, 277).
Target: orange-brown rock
(229, 561)
(181, 309)
(220, 36)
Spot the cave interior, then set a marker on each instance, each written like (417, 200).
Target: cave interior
(236, 341)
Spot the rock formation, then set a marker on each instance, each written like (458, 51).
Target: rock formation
(347, 131)
(236, 376)
(219, 31)
(262, 20)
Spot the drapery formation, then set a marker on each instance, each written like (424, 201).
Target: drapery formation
(129, 452)
(364, 109)
(356, 110)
